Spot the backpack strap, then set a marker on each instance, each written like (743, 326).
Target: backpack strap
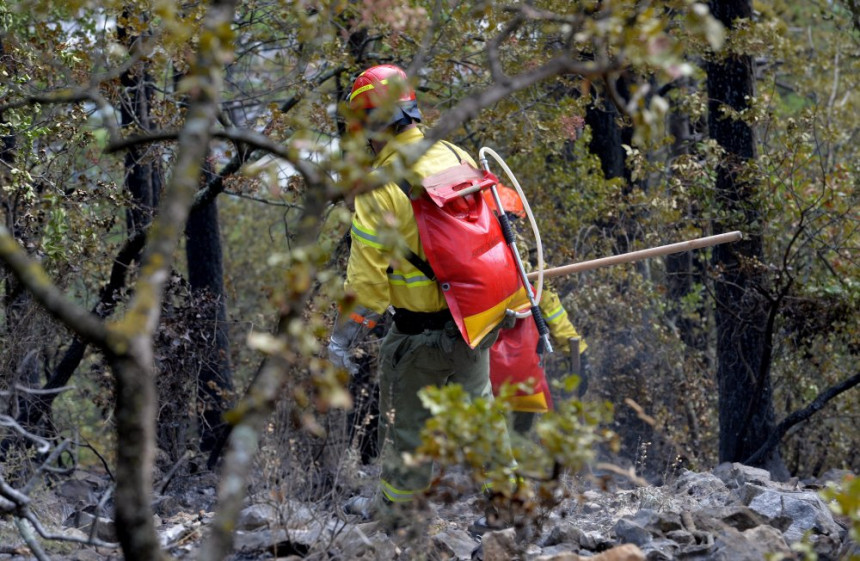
(451, 148)
(411, 256)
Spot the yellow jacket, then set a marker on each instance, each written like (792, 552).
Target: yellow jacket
(559, 324)
(375, 273)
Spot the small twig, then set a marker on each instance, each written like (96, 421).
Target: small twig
(99, 507)
(42, 444)
(61, 538)
(629, 474)
(104, 462)
(55, 453)
(26, 532)
(41, 391)
(172, 472)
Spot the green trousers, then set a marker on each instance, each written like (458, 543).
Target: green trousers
(408, 363)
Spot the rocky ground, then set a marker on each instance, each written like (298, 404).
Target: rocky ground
(734, 513)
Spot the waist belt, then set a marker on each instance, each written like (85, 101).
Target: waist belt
(413, 323)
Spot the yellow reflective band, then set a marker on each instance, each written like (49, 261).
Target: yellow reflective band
(396, 495)
(556, 315)
(361, 90)
(365, 88)
(399, 278)
(365, 236)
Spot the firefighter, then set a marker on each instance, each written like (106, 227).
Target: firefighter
(424, 346)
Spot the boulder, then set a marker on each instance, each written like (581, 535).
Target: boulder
(705, 488)
(660, 550)
(83, 521)
(736, 475)
(738, 517)
(366, 541)
(500, 546)
(454, 544)
(565, 534)
(630, 531)
(793, 512)
(257, 516)
(768, 538)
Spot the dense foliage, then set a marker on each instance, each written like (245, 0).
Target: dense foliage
(599, 108)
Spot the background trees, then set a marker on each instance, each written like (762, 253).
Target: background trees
(111, 110)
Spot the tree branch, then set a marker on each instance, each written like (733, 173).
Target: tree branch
(470, 106)
(801, 415)
(31, 274)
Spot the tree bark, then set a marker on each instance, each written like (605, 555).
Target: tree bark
(142, 170)
(206, 278)
(741, 315)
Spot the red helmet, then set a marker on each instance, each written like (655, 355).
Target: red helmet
(511, 201)
(372, 89)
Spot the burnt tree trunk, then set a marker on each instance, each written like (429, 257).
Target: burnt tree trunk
(206, 279)
(142, 170)
(743, 362)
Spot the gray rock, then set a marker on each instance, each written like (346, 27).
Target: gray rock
(768, 538)
(565, 534)
(260, 540)
(731, 545)
(366, 541)
(738, 517)
(630, 531)
(736, 475)
(169, 533)
(257, 516)
(500, 546)
(83, 521)
(78, 491)
(827, 547)
(804, 511)
(658, 522)
(660, 550)
(591, 508)
(681, 537)
(456, 544)
(705, 488)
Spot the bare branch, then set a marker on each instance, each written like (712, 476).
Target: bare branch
(470, 106)
(801, 415)
(54, 455)
(60, 537)
(42, 444)
(26, 531)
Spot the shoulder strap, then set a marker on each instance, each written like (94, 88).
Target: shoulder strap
(411, 256)
(451, 148)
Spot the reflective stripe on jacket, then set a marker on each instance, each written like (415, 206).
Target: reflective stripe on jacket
(383, 218)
